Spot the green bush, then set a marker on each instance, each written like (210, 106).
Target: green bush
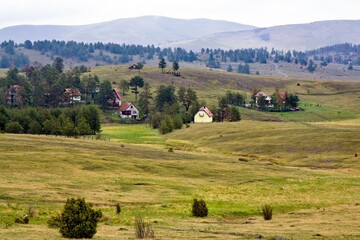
(13, 127)
(54, 221)
(78, 219)
(266, 211)
(199, 208)
(23, 220)
(118, 208)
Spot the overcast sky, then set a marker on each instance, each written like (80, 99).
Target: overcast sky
(260, 13)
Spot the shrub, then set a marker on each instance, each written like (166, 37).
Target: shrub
(266, 211)
(78, 219)
(143, 229)
(199, 208)
(31, 211)
(118, 208)
(54, 221)
(13, 127)
(23, 220)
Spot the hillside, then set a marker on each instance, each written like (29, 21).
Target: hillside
(141, 30)
(288, 37)
(331, 96)
(149, 180)
(194, 34)
(304, 163)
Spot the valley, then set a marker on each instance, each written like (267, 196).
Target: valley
(303, 163)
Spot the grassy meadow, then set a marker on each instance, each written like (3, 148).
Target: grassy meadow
(304, 164)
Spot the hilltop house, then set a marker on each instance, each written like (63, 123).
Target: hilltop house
(204, 115)
(71, 95)
(117, 101)
(128, 110)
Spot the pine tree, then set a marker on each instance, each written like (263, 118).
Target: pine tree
(162, 65)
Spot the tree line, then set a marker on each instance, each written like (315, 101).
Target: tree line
(80, 120)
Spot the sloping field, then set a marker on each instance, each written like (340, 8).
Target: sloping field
(147, 179)
(322, 100)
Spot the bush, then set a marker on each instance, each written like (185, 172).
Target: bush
(199, 208)
(78, 219)
(118, 208)
(143, 229)
(54, 221)
(13, 127)
(266, 211)
(23, 220)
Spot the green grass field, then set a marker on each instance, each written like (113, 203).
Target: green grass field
(322, 100)
(302, 163)
(311, 179)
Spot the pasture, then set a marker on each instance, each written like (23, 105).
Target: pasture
(303, 163)
(234, 169)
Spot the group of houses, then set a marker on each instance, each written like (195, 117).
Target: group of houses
(127, 110)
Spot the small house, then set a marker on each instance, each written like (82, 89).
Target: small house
(266, 98)
(117, 101)
(128, 110)
(71, 95)
(204, 115)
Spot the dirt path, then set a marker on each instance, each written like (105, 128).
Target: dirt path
(278, 71)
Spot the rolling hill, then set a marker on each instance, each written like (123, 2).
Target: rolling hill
(141, 30)
(288, 37)
(194, 34)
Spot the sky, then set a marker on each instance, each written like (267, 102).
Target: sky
(259, 13)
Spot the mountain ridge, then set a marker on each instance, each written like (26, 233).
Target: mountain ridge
(140, 30)
(194, 34)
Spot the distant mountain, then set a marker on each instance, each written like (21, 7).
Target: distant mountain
(288, 37)
(141, 30)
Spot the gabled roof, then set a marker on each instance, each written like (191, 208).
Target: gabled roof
(125, 106)
(72, 91)
(261, 94)
(117, 94)
(206, 110)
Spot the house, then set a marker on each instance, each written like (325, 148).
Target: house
(128, 110)
(204, 115)
(247, 105)
(266, 98)
(117, 101)
(71, 95)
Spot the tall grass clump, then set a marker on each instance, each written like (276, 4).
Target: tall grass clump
(143, 229)
(266, 211)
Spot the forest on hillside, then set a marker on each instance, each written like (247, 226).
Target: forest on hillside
(112, 53)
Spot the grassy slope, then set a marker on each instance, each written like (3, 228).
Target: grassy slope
(305, 167)
(149, 180)
(322, 100)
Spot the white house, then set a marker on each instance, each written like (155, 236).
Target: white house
(204, 115)
(266, 97)
(71, 95)
(128, 110)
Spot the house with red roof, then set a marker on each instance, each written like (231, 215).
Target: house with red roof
(118, 98)
(71, 95)
(128, 110)
(204, 115)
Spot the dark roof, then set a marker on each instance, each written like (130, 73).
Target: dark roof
(117, 94)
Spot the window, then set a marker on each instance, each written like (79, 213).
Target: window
(201, 114)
